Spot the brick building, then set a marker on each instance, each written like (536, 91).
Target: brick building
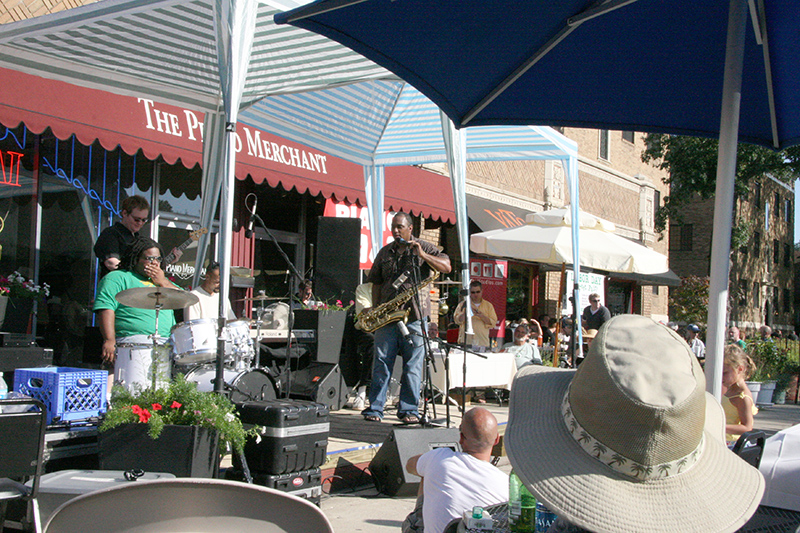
(761, 287)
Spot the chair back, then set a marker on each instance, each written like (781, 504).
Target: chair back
(22, 439)
(188, 504)
(750, 446)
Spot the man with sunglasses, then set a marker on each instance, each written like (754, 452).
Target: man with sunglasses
(115, 240)
(484, 317)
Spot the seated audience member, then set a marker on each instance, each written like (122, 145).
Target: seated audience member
(453, 482)
(735, 337)
(524, 352)
(624, 443)
(549, 333)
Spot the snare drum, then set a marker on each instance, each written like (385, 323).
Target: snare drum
(136, 363)
(256, 384)
(194, 341)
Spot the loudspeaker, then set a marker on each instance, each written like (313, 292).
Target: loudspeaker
(337, 259)
(321, 383)
(388, 467)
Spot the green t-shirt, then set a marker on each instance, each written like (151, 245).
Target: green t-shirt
(130, 320)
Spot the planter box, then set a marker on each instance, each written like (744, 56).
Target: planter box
(16, 314)
(765, 394)
(184, 451)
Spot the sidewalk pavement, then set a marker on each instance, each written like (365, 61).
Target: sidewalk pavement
(366, 510)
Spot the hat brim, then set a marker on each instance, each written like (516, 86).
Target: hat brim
(719, 493)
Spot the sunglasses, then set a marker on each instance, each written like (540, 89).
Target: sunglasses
(153, 258)
(474, 292)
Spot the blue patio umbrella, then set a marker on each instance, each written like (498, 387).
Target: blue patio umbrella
(727, 68)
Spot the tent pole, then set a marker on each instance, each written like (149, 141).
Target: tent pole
(723, 202)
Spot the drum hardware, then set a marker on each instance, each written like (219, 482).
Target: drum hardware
(447, 282)
(243, 385)
(156, 298)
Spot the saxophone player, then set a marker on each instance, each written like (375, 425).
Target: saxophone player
(398, 267)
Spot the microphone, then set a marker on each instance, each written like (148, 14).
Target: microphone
(249, 231)
(403, 329)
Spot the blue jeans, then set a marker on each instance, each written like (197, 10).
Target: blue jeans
(389, 342)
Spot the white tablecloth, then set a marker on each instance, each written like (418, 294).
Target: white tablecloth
(496, 371)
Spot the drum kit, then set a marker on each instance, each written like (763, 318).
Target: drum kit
(191, 348)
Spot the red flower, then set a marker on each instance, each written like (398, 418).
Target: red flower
(136, 409)
(175, 405)
(157, 407)
(144, 416)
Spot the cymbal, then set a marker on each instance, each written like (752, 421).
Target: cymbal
(447, 282)
(150, 297)
(262, 298)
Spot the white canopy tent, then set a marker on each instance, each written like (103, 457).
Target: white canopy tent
(387, 123)
(217, 56)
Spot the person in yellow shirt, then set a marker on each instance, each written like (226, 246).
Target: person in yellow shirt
(484, 316)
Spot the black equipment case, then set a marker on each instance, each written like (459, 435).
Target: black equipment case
(294, 435)
(306, 484)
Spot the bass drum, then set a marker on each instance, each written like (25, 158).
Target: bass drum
(256, 384)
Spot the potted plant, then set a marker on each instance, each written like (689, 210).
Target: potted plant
(17, 295)
(774, 369)
(176, 429)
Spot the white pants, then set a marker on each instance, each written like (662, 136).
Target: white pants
(136, 364)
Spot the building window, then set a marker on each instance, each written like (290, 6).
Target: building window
(742, 292)
(656, 204)
(756, 295)
(605, 141)
(787, 255)
(680, 237)
(655, 290)
(787, 210)
(756, 244)
(778, 204)
(776, 299)
(629, 136)
(787, 301)
(776, 251)
(757, 194)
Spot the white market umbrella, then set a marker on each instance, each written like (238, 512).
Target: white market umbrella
(546, 238)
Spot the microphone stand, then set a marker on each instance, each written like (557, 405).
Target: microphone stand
(428, 360)
(294, 283)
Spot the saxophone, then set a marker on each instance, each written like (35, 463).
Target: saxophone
(390, 311)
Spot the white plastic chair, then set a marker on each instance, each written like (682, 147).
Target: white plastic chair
(188, 504)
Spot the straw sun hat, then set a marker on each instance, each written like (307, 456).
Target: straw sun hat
(620, 445)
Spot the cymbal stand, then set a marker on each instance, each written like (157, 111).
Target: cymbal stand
(154, 349)
(257, 344)
(296, 279)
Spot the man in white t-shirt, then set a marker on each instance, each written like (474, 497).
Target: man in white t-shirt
(207, 293)
(453, 482)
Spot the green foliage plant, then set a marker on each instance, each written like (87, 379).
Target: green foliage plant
(180, 404)
(772, 363)
(689, 301)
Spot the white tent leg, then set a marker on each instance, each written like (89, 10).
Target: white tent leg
(723, 203)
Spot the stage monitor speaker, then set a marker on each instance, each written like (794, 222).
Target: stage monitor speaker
(321, 383)
(388, 467)
(337, 261)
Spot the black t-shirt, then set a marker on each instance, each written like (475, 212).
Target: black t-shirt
(113, 241)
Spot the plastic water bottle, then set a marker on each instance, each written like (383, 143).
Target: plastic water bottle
(3, 389)
(521, 506)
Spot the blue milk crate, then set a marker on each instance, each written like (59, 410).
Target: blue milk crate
(69, 393)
